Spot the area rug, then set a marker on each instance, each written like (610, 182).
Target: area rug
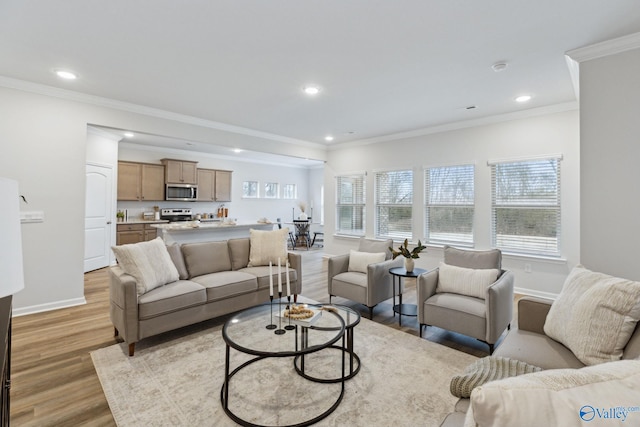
(175, 379)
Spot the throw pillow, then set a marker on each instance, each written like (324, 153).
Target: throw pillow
(465, 281)
(148, 262)
(358, 261)
(487, 369)
(178, 260)
(594, 315)
(603, 394)
(268, 246)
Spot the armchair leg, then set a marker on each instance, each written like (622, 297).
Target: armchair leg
(509, 327)
(330, 296)
(371, 312)
(422, 325)
(132, 348)
(115, 332)
(491, 346)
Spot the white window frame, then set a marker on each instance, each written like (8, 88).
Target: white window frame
(544, 207)
(393, 193)
(245, 194)
(449, 192)
(289, 188)
(351, 206)
(268, 194)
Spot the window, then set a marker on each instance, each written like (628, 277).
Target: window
(289, 191)
(250, 189)
(271, 190)
(449, 204)
(350, 206)
(394, 200)
(525, 207)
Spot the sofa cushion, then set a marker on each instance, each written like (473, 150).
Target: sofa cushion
(465, 281)
(594, 315)
(239, 252)
(206, 258)
(537, 349)
(262, 274)
(377, 246)
(225, 284)
(174, 296)
(268, 246)
(560, 397)
(487, 369)
(148, 262)
(358, 261)
(175, 252)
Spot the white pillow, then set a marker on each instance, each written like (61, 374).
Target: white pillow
(148, 262)
(358, 261)
(465, 281)
(594, 315)
(561, 397)
(268, 246)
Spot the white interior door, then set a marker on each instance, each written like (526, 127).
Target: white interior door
(98, 217)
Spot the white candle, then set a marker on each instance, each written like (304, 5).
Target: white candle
(279, 277)
(270, 279)
(288, 284)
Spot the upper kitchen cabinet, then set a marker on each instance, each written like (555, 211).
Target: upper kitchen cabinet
(214, 185)
(223, 186)
(180, 171)
(140, 181)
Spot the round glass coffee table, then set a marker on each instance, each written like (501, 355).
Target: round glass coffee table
(264, 394)
(351, 319)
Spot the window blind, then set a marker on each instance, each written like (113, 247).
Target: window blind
(449, 204)
(393, 204)
(526, 206)
(350, 204)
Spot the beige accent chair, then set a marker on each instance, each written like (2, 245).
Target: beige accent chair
(368, 288)
(482, 318)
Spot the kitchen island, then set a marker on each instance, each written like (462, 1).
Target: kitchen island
(193, 231)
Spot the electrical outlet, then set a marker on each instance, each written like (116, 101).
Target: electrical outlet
(527, 268)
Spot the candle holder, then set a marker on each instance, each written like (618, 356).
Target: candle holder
(271, 325)
(279, 331)
(289, 327)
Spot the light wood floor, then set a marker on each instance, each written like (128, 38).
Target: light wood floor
(54, 382)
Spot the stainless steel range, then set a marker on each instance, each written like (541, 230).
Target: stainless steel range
(176, 214)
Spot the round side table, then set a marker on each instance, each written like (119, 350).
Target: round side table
(403, 309)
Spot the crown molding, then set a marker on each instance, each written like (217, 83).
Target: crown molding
(70, 95)
(606, 48)
(499, 118)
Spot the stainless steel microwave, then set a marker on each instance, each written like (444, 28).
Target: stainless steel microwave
(182, 192)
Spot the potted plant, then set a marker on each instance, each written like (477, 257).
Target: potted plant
(303, 207)
(120, 216)
(409, 255)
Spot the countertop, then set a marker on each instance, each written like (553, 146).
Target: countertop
(143, 221)
(195, 225)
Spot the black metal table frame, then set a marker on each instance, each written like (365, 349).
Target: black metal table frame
(353, 357)
(260, 355)
(400, 308)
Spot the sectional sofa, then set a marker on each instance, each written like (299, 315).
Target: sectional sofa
(157, 288)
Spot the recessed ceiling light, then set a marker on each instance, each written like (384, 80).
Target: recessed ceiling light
(128, 135)
(311, 90)
(328, 138)
(67, 75)
(523, 98)
(237, 150)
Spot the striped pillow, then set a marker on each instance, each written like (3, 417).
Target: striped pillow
(465, 281)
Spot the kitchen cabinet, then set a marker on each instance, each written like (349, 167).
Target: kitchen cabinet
(180, 171)
(140, 181)
(134, 233)
(223, 186)
(214, 185)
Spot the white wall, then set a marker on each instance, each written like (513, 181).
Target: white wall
(548, 134)
(610, 163)
(43, 136)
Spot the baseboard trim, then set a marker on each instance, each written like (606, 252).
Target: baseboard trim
(48, 307)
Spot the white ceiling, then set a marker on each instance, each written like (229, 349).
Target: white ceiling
(385, 67)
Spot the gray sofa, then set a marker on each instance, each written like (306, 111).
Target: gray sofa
(214, 280)
(530, 344)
